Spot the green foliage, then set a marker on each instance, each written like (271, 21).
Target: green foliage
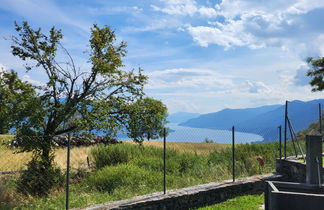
(147, 119)
(71, 100)
(94, 98)
(109, 155)
(316, 73)
(17, 100)
(313, 126)
(246, 202)
(207, 140)
(143, 173)
(39, 178)
(246, 157)
(9, 197)
(124, 175)
(156, 164)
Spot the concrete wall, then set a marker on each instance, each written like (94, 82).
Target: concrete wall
(193, 197)
(291, 169)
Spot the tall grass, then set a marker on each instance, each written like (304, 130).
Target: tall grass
(125, 170)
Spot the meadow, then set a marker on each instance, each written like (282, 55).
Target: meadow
(246, 202)
(125, 170)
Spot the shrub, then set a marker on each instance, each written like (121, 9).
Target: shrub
(246, 162)
(207, 140)
(39, 178)
(124, 175)
(8, 195)
(156, 164)
(121, 153)
(109, 155)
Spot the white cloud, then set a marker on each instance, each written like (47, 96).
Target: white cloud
(258, 24)
(207, 11)
(206, 90)
(257, 87)
(209, 35)
(185, 8)
(27, 78)
(188, 78)
(2, 68)
(177, 7)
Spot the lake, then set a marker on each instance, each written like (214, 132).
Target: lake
(187, 134)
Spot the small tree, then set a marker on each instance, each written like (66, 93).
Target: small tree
(94, 97)
(316, 73)
(147, 119)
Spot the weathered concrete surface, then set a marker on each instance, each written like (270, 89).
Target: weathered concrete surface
(297, 196)
(291, 169)
(314, 164)
(192, 197)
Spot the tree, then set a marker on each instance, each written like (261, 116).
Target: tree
(16, 100)
(316, 73)
(90, 96)
(147, 119)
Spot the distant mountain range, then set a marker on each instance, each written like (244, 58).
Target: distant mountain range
(180, 117)
(262, 120)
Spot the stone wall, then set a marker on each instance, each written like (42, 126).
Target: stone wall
(291, 169)
(193, 197)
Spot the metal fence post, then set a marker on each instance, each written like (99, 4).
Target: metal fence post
(68, 173)
(320, 117)
(164, 161)
(233, 153)
(285, 137)
(280, 154)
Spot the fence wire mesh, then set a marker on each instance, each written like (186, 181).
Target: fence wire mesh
(104, 169)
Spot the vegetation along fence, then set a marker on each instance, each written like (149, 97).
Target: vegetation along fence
(82, 171)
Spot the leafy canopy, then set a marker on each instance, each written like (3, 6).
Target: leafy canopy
(16, 100)
(92, 97)
(316, 73)
(147, 119)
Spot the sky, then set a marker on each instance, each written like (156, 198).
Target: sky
(200, 55)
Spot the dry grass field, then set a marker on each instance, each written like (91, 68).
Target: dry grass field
(10, 160)
(197, 148)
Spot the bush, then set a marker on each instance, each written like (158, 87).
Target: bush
(120, 176)
(121, 153)
(109, 155)
(156, 164)
(39, 178)
(8, 195)
(188, 162)
(246, 162)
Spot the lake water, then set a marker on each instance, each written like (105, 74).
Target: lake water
(187, 134)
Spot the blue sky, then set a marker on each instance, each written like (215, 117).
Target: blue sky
(200, 56)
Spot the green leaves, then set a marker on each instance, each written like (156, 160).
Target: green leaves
(316, 73)
(147, 118)
(73, 99)
(17, 98)
(94, 97)
(105, 55)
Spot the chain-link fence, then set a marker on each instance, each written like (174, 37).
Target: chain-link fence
(61, 172)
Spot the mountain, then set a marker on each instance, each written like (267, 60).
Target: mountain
(180, 117)
(261, 120)
(226, 118)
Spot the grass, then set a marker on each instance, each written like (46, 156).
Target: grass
(139, 170)
(10, 160)
(247, 202)
(197, 148)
